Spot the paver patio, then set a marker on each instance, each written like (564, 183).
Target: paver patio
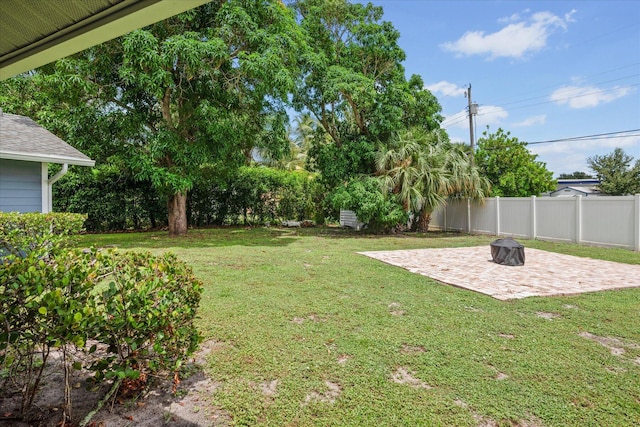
(544, 273)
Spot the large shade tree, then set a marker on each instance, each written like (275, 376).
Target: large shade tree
(354, 85)
(617, 173)
(510, 167)
(198, 90)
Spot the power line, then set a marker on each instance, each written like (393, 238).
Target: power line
(596, 136)
(600, 91)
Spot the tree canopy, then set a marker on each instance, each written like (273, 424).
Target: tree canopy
(617, 175)
(353, 83)
(510, 167)
(198, 90)
(575, 175)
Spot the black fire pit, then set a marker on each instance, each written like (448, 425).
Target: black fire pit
(507, 252)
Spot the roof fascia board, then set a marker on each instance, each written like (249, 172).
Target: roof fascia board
(93, 31)
(43, 158)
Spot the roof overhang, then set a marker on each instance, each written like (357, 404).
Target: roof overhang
(63, 36)
(44, 158)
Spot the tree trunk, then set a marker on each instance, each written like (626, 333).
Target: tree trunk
(423, 221)
(177, 207)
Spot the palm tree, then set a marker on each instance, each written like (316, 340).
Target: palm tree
(423, 171)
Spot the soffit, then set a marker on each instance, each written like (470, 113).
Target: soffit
(36, 32)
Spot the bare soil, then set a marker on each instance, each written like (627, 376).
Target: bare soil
(156, 405)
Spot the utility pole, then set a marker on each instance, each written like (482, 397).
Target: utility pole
(473, 110)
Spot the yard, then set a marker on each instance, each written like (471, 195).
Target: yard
(305, 331)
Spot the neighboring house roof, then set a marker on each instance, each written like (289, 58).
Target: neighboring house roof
(584, 182)
(37, 32)
(587, 191)
(23, 139)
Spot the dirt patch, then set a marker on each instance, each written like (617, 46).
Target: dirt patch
(343, 358)
(312, 317)
(157, 405)
(412, 349)
(507, 336)
(398, 313)
(488, 422)
(548, 316)
(500, 376)
(404, 376)
(329, 396)
(615, 345)
(269, 388)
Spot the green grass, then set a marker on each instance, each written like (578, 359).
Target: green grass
(287, 304)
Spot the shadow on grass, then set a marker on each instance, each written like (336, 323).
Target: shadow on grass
(195, 238)
(263, 236)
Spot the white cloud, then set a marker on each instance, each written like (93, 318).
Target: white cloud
(513, 18)
(458, 120)
(587, 96)
(518, 39)
(531, 121)
(446, 88)
(490, 115)
(569, 156)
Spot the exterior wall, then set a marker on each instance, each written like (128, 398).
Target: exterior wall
(20, 186)
(567, 192)
(602, 221)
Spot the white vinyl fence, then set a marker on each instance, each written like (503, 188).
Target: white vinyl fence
(602, 221)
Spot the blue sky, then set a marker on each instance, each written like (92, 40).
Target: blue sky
(543, 70)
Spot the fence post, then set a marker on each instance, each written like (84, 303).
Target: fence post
(533, 218)
(469, 215)
(636, 211)
(445, 217)
(497, 215)
(578, 219)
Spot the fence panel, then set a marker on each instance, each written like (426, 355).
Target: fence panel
(604, 220)
(556, 218)
(608, 220)
(515, 216)
(456, 215)
(483, 218)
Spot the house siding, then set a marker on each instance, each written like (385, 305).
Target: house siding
(20, 186)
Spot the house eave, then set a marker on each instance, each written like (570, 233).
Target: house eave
(114, 22)
(45, 158)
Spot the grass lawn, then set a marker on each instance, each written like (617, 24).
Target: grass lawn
(310, 333)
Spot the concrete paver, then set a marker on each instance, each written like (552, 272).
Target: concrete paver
(544, 273)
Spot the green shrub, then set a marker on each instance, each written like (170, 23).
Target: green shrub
(139, 306)
(27, 232)
(146, 310)
(364, 197)
(253, 195)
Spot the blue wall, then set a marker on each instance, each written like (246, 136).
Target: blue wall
(20, 186)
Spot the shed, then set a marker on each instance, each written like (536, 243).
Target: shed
(26, 149)
(350, 219)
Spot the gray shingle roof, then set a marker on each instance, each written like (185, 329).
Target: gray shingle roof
(23, 139)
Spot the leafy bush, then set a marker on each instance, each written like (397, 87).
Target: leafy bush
(146, 312)
(21, 233)
(140, 308)
(364, 197)
(111, 199)
(253, 194)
